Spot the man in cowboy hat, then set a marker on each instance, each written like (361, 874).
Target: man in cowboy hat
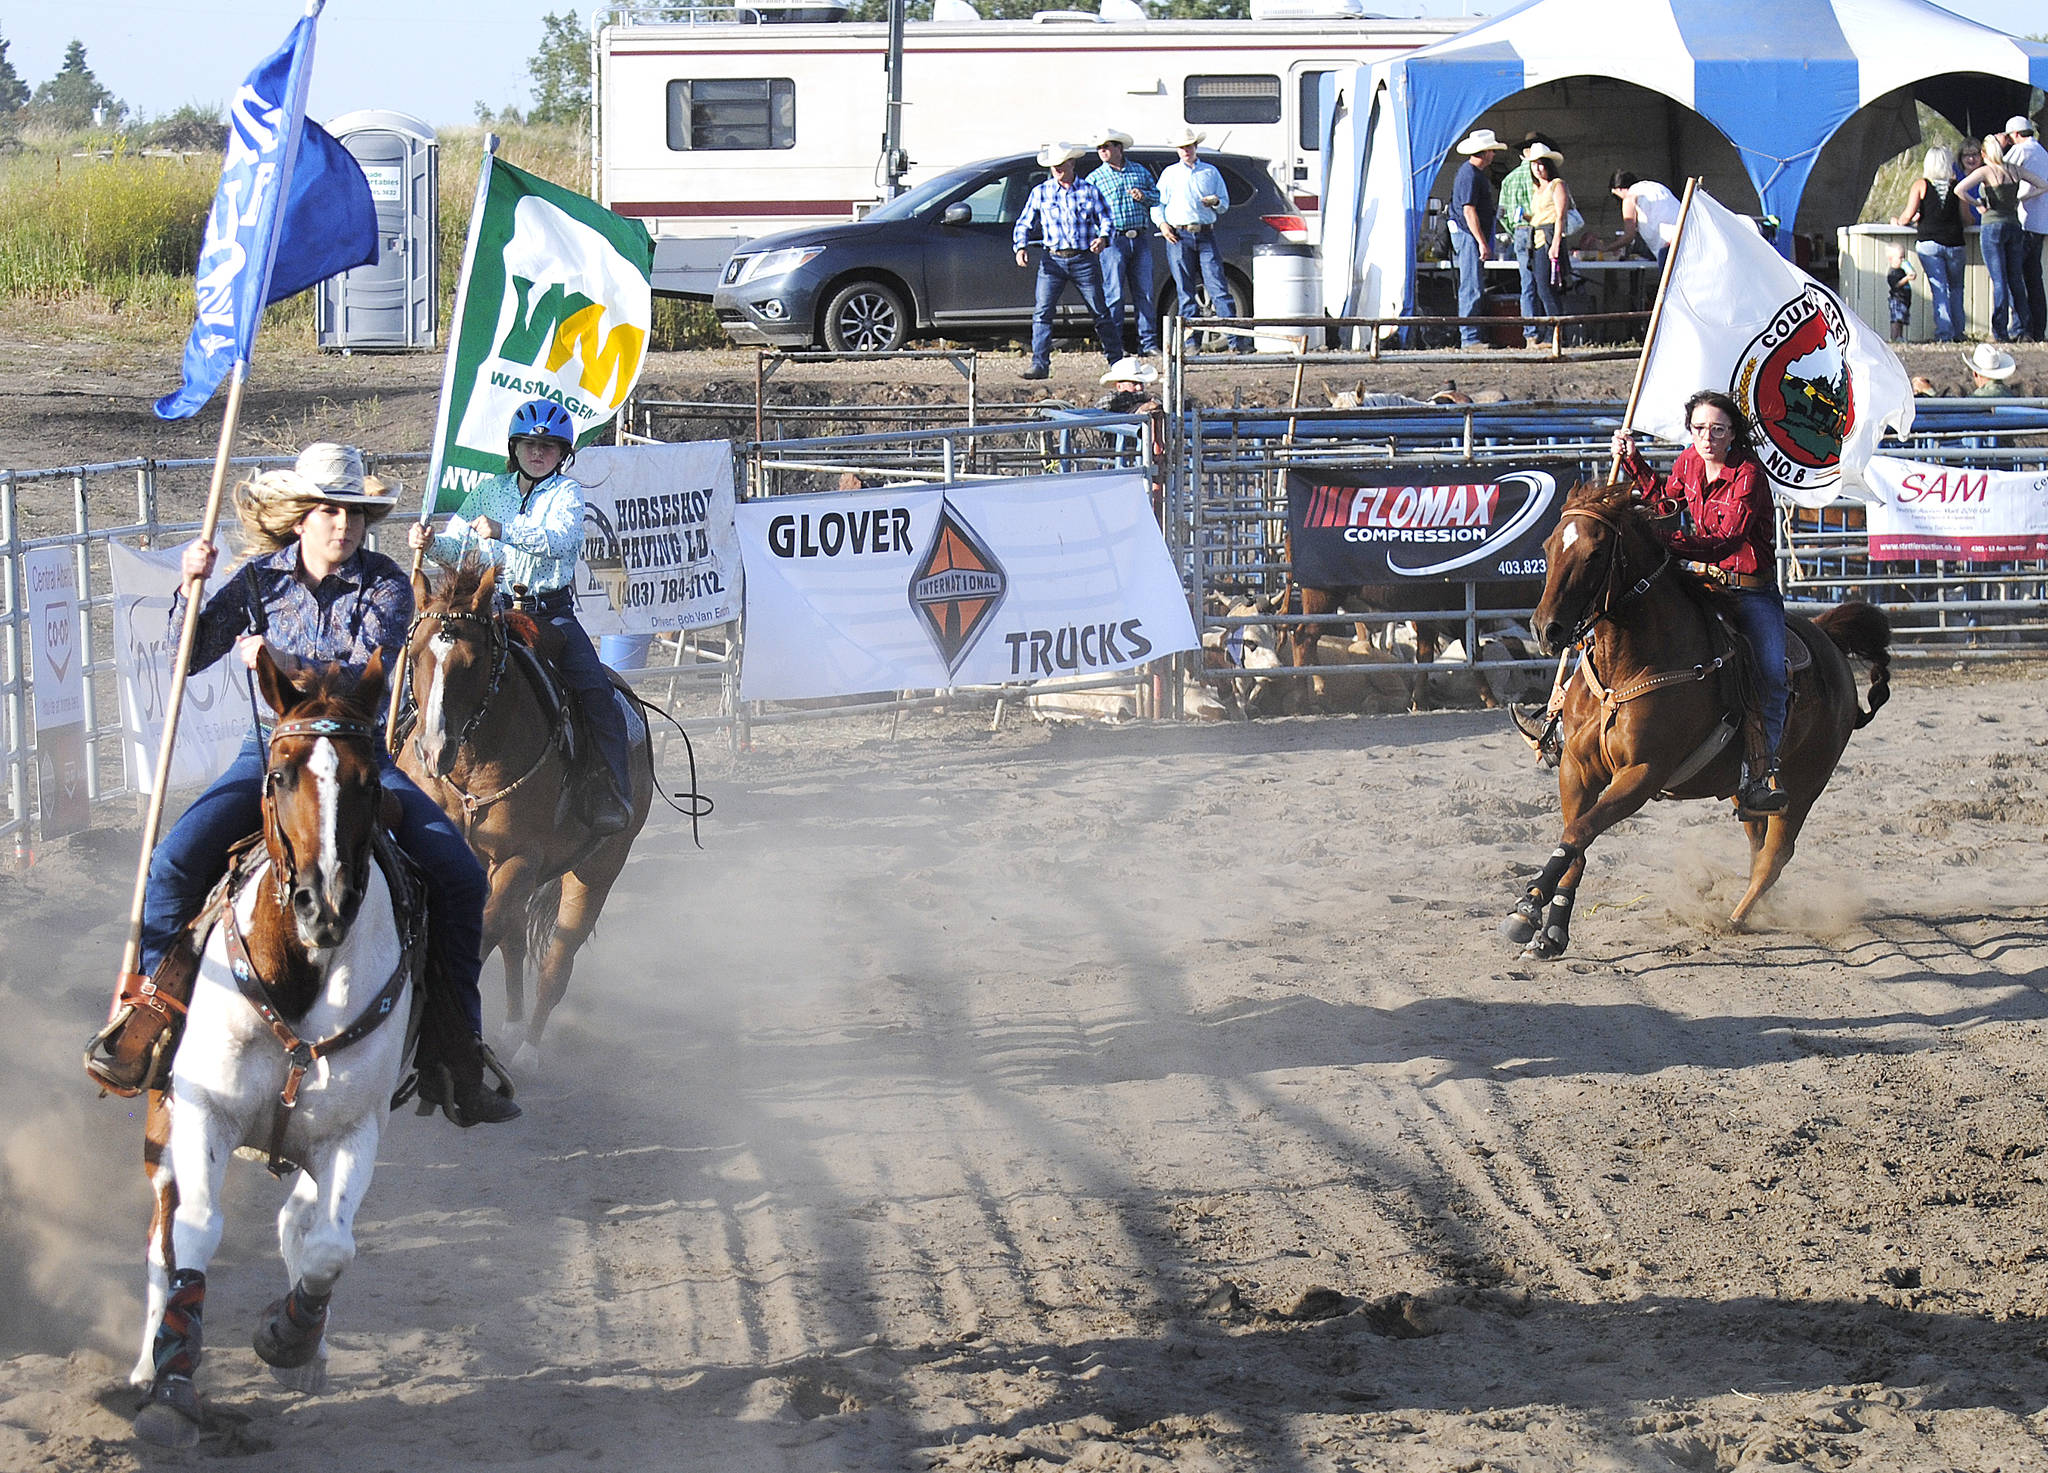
(1074, 220)
(1130, 192)
(1990, 367)
(2024, 151)
(1472, 211)
(1192, 195)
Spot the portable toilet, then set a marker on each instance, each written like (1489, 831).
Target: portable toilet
(394, 303)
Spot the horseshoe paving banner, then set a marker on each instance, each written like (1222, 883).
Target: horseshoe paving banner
(659, 551)
(989, 583)
(1434, 524)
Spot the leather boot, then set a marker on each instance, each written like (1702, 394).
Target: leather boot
(451, 1063)
(1761, 795)
(134, 1051)
(603, 808)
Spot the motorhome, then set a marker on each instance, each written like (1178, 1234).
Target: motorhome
(715, 125)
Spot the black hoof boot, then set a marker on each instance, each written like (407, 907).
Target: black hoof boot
(172, 1416)
(289, 1333)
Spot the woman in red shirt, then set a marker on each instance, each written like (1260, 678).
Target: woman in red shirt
(1726, 524)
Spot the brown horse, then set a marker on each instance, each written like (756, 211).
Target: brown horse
(488, 746)
(1645, 721)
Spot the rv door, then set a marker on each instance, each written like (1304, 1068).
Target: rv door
(1303, 168)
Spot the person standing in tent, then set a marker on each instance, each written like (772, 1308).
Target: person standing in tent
(1722, 500)
(2024, 151)
(1649, 213)
(529, 522)
(1999, 186)
(1472, 212)
(1938, 214)
(1550, 212)
(1512, 224)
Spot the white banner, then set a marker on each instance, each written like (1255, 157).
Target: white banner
(986, 583)
(659, 550)
(1956, 512)
(53, 629)
(1818, 387)
(216, 717)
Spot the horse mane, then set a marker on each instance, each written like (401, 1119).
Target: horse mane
(1618, 503)
(459, 584)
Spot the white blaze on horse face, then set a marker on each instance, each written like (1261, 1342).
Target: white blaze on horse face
(325, 765)
(430, 719)
(1571, 535)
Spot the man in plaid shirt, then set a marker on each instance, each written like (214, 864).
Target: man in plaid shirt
(1074, 221)
(1128, 188)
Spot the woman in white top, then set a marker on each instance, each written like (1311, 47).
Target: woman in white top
(1998, 189)
(1649, 212)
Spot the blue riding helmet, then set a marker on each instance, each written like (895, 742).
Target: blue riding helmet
(543, 419)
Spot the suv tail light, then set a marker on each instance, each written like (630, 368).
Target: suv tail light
(1293, 229)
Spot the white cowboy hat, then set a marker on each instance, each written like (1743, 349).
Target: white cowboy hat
(1061, 153)
(1185, 136)
(1130, 370)
(1481, 140)
(2019, 125)
(1987, 360)
(1112, 135)
(334, 473)
(1537, 151)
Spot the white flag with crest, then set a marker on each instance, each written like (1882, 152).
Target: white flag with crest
(1818, 386)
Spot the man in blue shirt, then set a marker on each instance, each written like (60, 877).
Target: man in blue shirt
(1472, 201)
(1192, 195)
(1130, 193)
(1074, 223)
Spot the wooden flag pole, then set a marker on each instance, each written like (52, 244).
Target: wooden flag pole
(188, 634)
(1635, 390)
(430, 492)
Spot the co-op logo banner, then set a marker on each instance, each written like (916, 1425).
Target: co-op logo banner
(1454, 523)
(993, 583)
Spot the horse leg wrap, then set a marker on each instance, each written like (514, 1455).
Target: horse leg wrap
(1556, 932)
(179, 1342)
(289, 1333)
(1530, 908)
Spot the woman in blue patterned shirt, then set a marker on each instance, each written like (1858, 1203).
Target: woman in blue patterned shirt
(313, 594)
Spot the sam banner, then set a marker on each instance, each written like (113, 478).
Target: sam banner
(920, 588)
(1956, 512)
(216, 715)
(659, 550)
(1434, 524)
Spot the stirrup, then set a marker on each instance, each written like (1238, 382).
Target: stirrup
(1760, 796)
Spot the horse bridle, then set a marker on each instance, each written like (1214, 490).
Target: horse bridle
(1609, 601)
(500, 647)
(334, 729)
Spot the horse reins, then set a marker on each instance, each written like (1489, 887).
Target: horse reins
(1609, 602)
(314, 726)
(501, 646)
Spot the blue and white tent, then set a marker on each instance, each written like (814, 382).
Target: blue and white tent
(1777, 81)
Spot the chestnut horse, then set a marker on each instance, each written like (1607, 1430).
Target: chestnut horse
(294, 1042)
(487, 747)
(1643, 724)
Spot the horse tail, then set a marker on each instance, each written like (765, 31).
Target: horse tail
(542, 909)
(1861, 629)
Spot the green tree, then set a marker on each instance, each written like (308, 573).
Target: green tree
(13, 91)
(560, 72)
(69, 99)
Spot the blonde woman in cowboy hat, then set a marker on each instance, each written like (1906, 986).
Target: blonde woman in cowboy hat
(311, 593)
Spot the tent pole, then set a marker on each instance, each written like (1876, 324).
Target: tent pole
(1656, 314)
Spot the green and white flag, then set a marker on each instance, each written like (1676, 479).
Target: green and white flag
(554, 303)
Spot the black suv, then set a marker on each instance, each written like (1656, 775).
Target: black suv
(938, 259)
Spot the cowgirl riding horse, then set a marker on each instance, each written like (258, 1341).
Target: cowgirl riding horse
(317, 596)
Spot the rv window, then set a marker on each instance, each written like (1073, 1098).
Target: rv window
(1218, 99)
(1312, 111)
(732, 112)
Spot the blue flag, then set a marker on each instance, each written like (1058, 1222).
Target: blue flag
(293, 209)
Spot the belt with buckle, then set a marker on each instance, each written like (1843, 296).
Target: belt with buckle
(1733, 580)
(1069, 255)
(1190, 229)
(1132, 234)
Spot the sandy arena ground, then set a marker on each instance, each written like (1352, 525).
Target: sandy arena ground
(1145, 1097)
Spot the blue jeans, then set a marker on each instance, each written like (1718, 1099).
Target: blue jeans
(2030, 276)
(1534, 265)
(1054, 273)
(1127, 281)
(1471, 284)
(1944, 267)
(194, 855)
(1760, 614)
(2004, 244)
(584, 673)
(1196, 264)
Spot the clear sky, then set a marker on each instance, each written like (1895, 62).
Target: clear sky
(435, 59)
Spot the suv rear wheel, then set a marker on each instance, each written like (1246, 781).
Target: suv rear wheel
(865, 317)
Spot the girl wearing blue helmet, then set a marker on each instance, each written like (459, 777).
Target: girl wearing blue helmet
(529, 522)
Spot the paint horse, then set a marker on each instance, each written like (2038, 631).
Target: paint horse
(1646, 715)
(490, 743)
(294, 1043)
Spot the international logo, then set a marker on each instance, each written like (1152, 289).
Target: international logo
(956, 587)
(1793, 384)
